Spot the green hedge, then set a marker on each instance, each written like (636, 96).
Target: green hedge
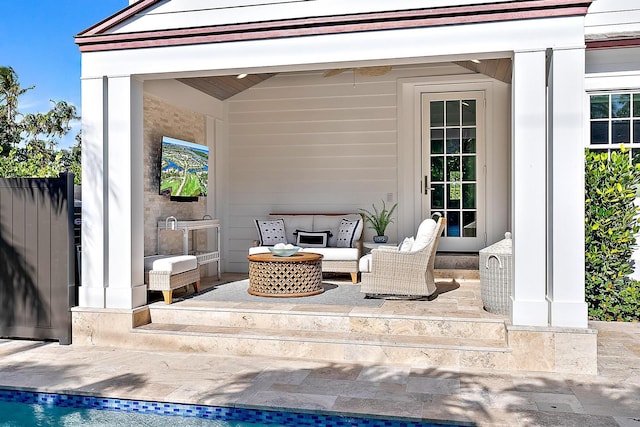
(611, 226)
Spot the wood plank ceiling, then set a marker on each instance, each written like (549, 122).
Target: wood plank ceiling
(224, 87)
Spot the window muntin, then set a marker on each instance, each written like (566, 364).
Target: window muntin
(614, 120)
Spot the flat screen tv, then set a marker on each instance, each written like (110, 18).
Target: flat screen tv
(184, 170)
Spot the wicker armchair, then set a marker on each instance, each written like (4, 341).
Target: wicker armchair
(405, 274)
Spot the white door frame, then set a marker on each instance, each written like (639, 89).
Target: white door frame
(456, 243)
(409, 137)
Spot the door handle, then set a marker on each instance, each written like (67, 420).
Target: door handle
(426, 185)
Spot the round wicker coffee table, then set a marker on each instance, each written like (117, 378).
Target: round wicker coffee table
(298, 275)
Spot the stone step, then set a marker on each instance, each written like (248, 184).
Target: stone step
(346, 320)
(417, 351)
(457, 261)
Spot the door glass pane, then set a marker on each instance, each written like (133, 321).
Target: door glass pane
(453, 113)
(453, 193)
(437, 168)
(468, 196)
(469, 140)
(621, 105)
(635, 155)
(469, 112)
(469, 224)
(437, 196)
(453, 168)
(636, 131)
(636, 105)
(437, 113)
(453, 224)
(453, 141)
(600, 107)
(620, 131)
(437, 141)
(599, 132)
(468, 168)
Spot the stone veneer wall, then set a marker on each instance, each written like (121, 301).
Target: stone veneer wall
(163, 119)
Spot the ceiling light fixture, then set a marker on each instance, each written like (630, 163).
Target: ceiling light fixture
(475, 61)
(241, 76)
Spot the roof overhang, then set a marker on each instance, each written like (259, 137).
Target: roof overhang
(98, 37)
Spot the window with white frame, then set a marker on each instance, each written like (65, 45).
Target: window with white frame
(615, 120)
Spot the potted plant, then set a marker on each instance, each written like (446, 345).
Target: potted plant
(379, 220)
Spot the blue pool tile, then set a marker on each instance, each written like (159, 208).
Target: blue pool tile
(205, 412)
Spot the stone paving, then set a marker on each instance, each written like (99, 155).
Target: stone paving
(483, 398)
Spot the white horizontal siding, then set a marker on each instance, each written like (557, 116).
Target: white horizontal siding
(305, 143)
(612, 16)
(195, 13)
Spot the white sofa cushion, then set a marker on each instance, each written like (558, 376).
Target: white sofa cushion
(174, 264)
(335, 254)
(329, 254)
(258, 250)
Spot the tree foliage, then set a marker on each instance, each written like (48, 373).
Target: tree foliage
(611, 226)
(29, 142)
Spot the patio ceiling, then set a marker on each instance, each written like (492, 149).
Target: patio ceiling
(224, 87)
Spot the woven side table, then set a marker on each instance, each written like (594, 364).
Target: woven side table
(295, 276)
(496, 276)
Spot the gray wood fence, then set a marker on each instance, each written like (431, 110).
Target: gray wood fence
(37, 261)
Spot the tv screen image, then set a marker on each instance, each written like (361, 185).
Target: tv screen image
(185, 169)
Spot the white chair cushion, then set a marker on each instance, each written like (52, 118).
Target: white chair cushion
(425, 235)
(406, 244)
(364, 265)
(174, 264)
(335, 254)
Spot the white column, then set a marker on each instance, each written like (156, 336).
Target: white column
(530, 306)
(125, 231)
(91, 291)
(566, 99)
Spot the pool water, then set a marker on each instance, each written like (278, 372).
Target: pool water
(23, 408)
(23, 414)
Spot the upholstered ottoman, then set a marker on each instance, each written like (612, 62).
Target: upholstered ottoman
(166, 273)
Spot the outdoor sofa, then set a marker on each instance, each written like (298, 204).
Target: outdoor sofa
(337, 237)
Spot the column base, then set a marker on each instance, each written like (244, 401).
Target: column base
(530, 313)
(569, 314)
(91, 296)
(126, 297)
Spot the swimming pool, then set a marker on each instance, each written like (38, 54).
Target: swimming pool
(26, 408)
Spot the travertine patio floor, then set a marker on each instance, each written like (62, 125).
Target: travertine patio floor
(476, 397)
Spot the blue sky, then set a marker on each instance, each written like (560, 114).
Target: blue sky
(36, 40)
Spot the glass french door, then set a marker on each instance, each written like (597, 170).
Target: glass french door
(453, 166)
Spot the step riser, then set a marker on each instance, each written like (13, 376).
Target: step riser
(476, 328)
(416, 356)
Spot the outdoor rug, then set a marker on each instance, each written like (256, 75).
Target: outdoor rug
(334, 294)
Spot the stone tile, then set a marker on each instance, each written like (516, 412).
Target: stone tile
(433, 385)
(353, 405)
(385, 374)
(554, 419)
(283, 400)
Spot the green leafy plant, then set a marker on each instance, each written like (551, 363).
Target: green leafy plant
(611, 226)
(379, 220)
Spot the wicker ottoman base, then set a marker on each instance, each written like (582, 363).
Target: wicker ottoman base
(295, 276)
